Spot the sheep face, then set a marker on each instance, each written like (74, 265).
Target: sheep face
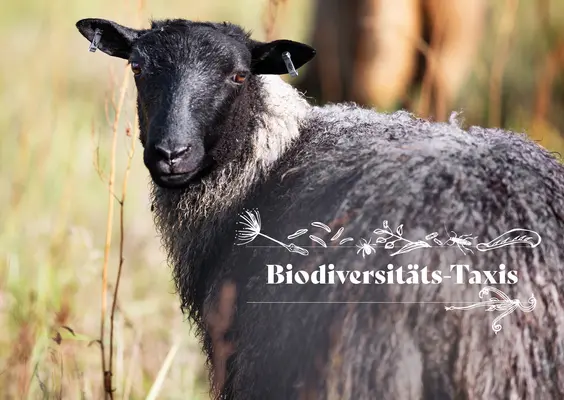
(194, 81)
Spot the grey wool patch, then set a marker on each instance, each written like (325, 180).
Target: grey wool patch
(342, 159)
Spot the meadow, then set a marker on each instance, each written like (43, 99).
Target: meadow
(74, 190)
(68, 126)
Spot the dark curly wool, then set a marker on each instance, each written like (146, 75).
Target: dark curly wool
(266, 148)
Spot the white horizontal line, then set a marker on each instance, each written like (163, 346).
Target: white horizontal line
(469, 247)
(361, 302)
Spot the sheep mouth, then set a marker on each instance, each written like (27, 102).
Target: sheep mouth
(173, 180)
(182, 180)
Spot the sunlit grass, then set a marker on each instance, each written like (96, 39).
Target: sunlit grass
(52, 238)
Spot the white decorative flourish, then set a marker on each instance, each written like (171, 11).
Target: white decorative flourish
(462, 241)
(512, 237)
(386, 237)
(318, 240)
(297, 233)
(397, 236)
(501, 303)
(321, 225)
(250, 219)
(366, 247)
(252, 226)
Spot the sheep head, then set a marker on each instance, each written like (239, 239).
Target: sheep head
(195, 84)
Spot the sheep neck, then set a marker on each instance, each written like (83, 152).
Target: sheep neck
(188, 220)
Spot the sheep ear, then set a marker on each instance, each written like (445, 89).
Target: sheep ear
(116, 40)
(267, 57)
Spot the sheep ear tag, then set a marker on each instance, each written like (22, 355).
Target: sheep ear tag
(95, 40)
(289, 64)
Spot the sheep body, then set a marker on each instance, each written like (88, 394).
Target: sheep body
(348, 166)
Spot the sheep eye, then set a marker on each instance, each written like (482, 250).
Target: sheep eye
(136, 68)
(239, 77)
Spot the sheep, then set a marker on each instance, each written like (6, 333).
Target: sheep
(240, 161)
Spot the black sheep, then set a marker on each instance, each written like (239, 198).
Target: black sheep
(236, 153)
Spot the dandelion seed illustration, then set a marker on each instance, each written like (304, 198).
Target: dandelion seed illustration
(252, 226)
(318, 240)
(299, 232)
(321, 225)
(339, 232)
(251, 221)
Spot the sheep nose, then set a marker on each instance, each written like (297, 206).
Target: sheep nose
(172, 155)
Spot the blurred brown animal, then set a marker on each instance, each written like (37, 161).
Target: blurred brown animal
(369, 52)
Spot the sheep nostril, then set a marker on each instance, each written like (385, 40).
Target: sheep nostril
(163, 152)
(173, 155)
(179, 152)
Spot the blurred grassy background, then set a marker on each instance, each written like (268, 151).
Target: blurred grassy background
(54, 203)
(54, 208)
